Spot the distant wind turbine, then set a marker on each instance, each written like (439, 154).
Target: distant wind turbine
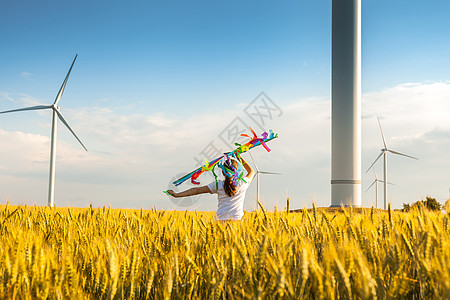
(56, 113)
(376, 187)
(383, 153)
(257, 177)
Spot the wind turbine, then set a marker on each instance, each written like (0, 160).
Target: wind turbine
(257, 177)
(56, 113)
(376, 187)
(383, 153)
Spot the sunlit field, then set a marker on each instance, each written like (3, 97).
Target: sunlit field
(123, 254)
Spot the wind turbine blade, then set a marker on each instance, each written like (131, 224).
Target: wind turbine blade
(375, 173)
(388, 182)
(382, 135)
(61, 117)
(254, 162)
(395, 152)
(264, 172)
(63, 86)
(376, 160)
(27, 108)
(371, 185)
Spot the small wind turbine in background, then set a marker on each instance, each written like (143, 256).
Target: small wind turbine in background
(383, 153)
(257, 177)
(56, 113)
(376, 187)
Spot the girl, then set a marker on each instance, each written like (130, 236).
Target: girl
(231, 196)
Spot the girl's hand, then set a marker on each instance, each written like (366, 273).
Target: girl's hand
(172, 193)
(239, 156)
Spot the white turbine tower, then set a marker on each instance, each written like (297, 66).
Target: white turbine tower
(56, 113)
(383, 153)
(257, 177)
(346, 103)
(376, 180)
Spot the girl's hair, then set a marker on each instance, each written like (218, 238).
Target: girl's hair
(228, 186)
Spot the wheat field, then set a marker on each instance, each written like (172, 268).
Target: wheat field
(103, 253)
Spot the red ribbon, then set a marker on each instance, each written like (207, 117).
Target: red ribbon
(255, 139)
(195, 176)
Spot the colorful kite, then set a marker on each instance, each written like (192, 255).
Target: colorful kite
(236, 174)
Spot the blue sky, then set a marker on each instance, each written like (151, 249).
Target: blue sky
(155, 81)
(195, 51)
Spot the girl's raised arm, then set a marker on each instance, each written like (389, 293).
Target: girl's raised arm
(191, 192)
(249, 169)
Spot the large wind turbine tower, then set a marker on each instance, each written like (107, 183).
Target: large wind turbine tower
(346, 103)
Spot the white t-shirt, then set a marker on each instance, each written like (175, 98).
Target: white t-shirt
(230, 208)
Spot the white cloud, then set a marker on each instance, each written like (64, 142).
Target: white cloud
(26, 75)
(17, 144)
(132, 157)
(21, 100)
(415, 120)
(6, 96)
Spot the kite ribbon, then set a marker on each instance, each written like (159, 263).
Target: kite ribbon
(255, 139)
(209, 166)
